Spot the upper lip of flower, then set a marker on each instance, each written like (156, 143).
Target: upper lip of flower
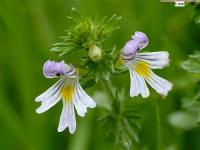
(132, 47)
(52, 69)
(140, 37)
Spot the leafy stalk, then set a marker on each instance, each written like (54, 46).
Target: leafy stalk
(108, 89)
(120, 119)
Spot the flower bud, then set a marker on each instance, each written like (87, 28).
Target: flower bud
(95, 53)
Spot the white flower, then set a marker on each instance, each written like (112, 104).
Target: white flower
(69, 90)
(140, 66)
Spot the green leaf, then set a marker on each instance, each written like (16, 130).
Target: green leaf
(193, 64)
(190, 103)
(183, 120)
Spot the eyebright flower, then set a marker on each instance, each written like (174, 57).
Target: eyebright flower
(140, 66)
(69, 90)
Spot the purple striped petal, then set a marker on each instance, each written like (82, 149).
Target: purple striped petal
(141, 38)
(131, 47)
(52, 69)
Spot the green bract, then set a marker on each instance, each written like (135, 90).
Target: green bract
(84, 45)
(86, 32)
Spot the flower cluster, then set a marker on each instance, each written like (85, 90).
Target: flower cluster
(96, 64)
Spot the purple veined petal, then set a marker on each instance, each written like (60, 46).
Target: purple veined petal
(70, 71)
(60, 67)
(52, 69)
(82, 100)
(46, 68)
(131, 47)
(141, 38)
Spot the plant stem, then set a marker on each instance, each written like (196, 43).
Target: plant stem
(108, 88)
(158, 126)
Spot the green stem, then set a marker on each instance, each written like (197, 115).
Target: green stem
(158, 126)
(108, 88)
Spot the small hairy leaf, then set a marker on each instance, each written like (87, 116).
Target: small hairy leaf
(86, 32)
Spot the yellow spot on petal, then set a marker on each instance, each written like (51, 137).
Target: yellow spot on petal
(142, 68)
(67, 92)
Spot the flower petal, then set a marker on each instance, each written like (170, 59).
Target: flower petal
(81, 108)
(52, 69)
(67, 118)
(51, 100)
(138, 85)
(140, 70)
(156, 60)
(141, 38)
(70, 71)
(131, 47)
(159, 84)
(44, 96)
(81, 100)
(86, 99)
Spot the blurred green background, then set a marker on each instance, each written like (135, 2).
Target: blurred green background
(28, 28)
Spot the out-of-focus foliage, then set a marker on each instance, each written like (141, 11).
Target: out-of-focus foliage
(196, 12)
(189, 117)
(193, 64)
(27, 31)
